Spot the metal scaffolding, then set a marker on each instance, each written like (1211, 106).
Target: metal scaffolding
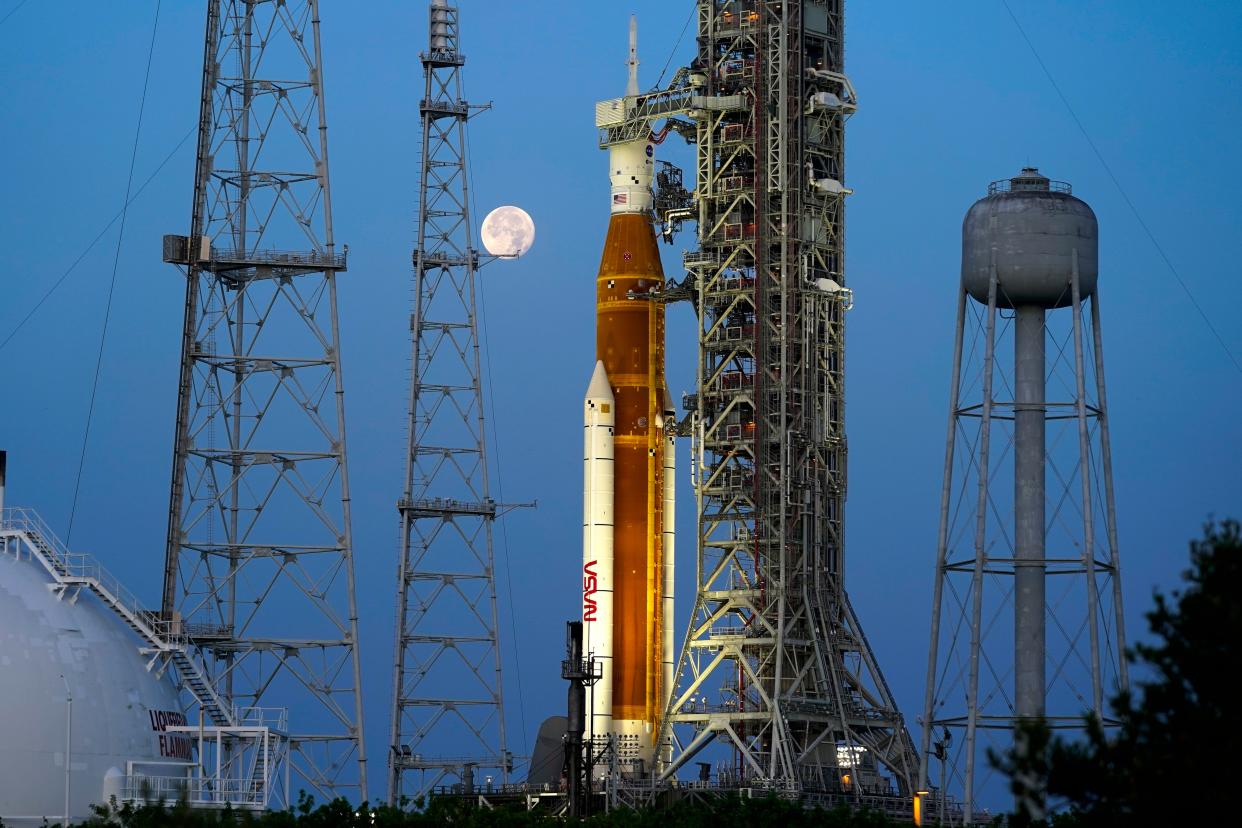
(258, 573)
(775, 664)
(447, 666)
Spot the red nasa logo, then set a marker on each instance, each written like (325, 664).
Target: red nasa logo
(590, 586)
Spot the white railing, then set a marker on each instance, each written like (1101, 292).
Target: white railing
(242, 766)
(80, 569)
(80, 566)
(275, 719)
(200, 791)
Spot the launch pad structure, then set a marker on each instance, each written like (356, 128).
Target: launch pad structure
(774, 664)
(775, 683)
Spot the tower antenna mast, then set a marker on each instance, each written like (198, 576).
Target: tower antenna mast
(447, 704)
(258, 574)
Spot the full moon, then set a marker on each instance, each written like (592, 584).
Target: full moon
(508, 231)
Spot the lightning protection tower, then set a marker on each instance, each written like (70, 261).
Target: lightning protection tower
(259, 571)
(447, 708)
(775, 665)
(1026, 615)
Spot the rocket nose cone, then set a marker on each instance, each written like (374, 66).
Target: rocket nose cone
(599, 388)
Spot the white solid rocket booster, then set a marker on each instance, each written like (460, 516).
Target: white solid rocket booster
(597, 554)
(670, 507)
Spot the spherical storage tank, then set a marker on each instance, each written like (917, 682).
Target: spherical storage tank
(119, 710)
(1031, 228)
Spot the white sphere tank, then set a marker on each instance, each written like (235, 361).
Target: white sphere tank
(119, 708)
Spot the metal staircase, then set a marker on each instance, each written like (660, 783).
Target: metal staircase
(77, 570)
(264, 758)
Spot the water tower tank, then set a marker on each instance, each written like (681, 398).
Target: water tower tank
(1031, 227)
(120, 708)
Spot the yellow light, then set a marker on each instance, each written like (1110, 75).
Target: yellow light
(918, 807)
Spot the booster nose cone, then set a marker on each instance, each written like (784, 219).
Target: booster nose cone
(599, 388)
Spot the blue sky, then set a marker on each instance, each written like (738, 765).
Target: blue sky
(950, 99)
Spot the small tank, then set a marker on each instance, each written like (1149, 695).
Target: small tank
(1032, 226)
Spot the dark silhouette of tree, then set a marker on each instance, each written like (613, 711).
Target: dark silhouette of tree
(768, 812)
(463, 812)
(1178, 751)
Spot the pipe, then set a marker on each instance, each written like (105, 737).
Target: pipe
(1029, 486)
(68, 744)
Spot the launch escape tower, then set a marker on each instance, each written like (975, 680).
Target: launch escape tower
(1027, 614)
(259, 573)
(447, 667)
(774, 665)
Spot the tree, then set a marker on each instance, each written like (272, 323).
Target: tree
(1176, 754)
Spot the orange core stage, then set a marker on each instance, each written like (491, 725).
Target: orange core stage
(630, 343)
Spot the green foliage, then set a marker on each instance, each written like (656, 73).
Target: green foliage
(1174, 758)
(761, 813)
(752, 813)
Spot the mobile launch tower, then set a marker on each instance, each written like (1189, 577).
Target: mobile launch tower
(258, 574)
(774, 664)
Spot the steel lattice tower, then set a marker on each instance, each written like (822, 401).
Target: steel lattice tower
(775, 664)
(447, 668)
(259, 570)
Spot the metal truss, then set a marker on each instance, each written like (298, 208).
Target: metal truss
(775, 664)
(971, 705)
(447, 670)
(243, 767)
(259, 570)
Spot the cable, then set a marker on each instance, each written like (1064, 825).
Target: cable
(116, 260)
(504, 530)
(500, 489)
(12, 11)
(669, 62)
(1125, 196)
(48, 294)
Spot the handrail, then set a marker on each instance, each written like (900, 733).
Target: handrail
(80, 565)
(306, 258)
(74, 568)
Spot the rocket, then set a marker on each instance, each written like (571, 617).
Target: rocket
(629, 456)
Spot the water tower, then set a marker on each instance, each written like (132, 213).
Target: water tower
(1026, 615)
